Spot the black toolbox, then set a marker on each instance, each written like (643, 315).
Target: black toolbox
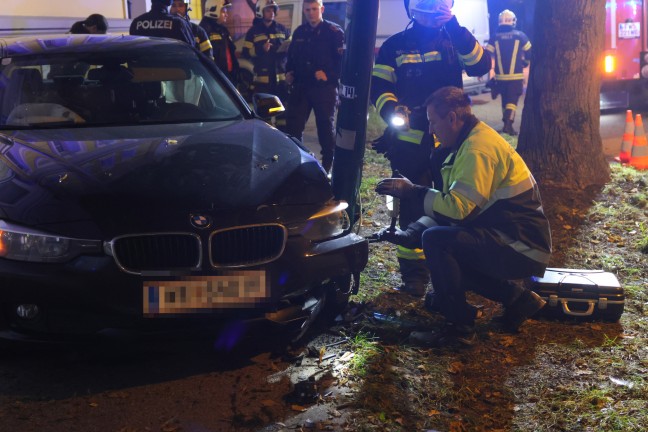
(593, 294)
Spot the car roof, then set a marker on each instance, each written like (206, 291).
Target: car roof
(77, 43)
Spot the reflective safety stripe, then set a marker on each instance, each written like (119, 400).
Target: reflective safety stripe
(428, 201)
(281, 77)
(473, 57)
(380, 102)
(516, 45)
(215, 37)
(408, 58)
(385, 72)
(432, 56)
(264, 79)
(412, 135)
(510, 106)
(409, 254)
(490, 48)
(205, 46)
(524, 249)
(527, 46)
(248, 45)
(501, 77)
(470, 193)
(500, 71)
(510, 191)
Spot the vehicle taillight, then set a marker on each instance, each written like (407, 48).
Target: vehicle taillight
(609, 64)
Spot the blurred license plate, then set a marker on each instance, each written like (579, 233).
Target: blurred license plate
(199, 293)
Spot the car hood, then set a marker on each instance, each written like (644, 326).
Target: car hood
(117, 175)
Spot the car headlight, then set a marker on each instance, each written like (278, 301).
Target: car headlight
(328, 223)
(24, 244)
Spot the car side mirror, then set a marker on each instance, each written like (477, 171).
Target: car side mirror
(267, 105)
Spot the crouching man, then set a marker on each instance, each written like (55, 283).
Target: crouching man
(485, 228)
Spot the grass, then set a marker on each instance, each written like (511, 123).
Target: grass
(367, 350)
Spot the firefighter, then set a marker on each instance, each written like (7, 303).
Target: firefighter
(511, 51)
(216, 16)
(158, 22)
(264, 46)
(313, 69)
(429, 54)
(181, 8)
(484, 228)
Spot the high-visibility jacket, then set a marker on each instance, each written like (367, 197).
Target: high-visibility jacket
(269, 66)
(414, 63)
(487, 185)
(512, 52)
(223, 46)
(159, 22)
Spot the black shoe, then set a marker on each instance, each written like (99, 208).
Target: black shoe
(523, 308)
(451, 335)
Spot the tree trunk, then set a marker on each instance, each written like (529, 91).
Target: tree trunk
(560, 133)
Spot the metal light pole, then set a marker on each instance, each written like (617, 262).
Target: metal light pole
(355, 81)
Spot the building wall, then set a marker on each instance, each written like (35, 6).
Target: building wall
(64, 8)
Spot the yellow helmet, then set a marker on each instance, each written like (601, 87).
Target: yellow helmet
(425, 6)
(507, 17)
(263, 4)
(213, 7)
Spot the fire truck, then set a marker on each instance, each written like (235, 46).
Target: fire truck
(625, 60)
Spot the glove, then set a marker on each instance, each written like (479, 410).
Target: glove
(494, 88)
(410, 238)
(396, 187)
(384, 143)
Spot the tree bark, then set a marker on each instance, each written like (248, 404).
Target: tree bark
(560, 132)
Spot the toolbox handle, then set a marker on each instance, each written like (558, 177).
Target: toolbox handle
(590, 309)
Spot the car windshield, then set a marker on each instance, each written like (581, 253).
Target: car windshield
(164, 83)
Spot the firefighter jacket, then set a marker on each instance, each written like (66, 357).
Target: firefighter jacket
(269, 66)
(487, 185)
(414, 63)
(223, 46)
(202, 40)
(159, 23)
(313, 49)
(512, 51)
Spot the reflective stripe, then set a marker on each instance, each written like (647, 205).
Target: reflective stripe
(500, 71)
(380, 102)
(215, 37)
(412, 135)
(408, 58)
(248, 45)
(281, 77)
(510, 106)
(409, 254)
(427, 221)
(469, 192)
(260, 38)
(490, 48)
(385, 72)
(205, 46)
(524, 249)
(507, 77)
(527, 46)
(510, 191)
(432, 56)
(428, 201)
(516, 45)
(264, 79)
(474, 56)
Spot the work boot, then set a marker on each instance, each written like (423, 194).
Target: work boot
(415, 276)
(508, 128)
(524, 307)
(450, 335)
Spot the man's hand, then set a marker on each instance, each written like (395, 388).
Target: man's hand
(267, 45)
(290, 77)
(442, 15)
(320, 75)
(399, 237)
(396, 187)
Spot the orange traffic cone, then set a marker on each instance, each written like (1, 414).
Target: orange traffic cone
(639, 153)
(628, 137)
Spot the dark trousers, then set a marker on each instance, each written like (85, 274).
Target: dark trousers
(323, 101)
(511, 92)
(472, 259)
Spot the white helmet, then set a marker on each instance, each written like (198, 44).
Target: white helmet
(507, 17)
(263, 4)
(425, 6)
(213, 7)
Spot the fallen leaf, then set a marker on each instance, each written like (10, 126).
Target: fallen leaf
(455, 367)
(268, 402)
(297, 408)
(433, 413)
(93, 404)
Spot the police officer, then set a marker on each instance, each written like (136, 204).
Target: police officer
(158, 22)
(313, 69)
(216, 15)
(181, 9)
(512, 53)
(410, 66)
(263, 45)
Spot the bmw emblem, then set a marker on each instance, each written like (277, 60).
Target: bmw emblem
(200, 221)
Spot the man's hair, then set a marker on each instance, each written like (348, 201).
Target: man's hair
(99, 21)
(448, 99)
(319, 2)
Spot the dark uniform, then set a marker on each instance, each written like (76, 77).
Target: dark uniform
(202, 39)
(269, 66)
(313, 49)
(223, 46)
(160, 23)
(409, 67)
(512, 51)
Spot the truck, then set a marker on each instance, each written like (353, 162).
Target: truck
(624, 65)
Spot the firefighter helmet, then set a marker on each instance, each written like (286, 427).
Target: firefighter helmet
(163, 2)
(263, 4)
(213, 7)
(425, 5)
(507, 17)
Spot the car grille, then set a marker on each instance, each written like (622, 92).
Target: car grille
(157, 252)
(249, 245)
